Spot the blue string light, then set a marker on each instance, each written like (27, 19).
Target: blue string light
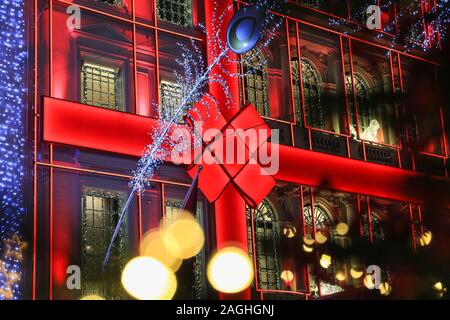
(13, 86)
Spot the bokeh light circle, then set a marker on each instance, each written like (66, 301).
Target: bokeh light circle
(163, 247)
(230, 270)
(146, 278)
(189, 236)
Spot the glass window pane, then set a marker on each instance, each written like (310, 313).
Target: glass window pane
(146, 73)
(322, 78)
(372, 82)
(178, 12)
(172, 87)
(422, 106)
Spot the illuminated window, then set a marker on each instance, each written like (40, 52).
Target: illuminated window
(256, 83)
(171, 98)
(100, 86)
(100, 214)
(266, 232)
(178, 12)
(172, 210)
(312, 94)
(368, 124)
(117, 3)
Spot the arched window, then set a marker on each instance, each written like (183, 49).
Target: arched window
(312, 94)
(255, 70)
(366, 115)
(322, 220)
(323, 224)
(266, 238)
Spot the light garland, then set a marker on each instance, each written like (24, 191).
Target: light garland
(416, 30)
(13, 61)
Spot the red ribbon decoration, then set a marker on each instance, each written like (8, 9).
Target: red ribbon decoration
(247, 176)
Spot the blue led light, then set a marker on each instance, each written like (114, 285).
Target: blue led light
(13, 85)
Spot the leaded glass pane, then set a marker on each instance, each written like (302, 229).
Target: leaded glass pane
(178, 12)
(255, 70)
(100, 86)
(100, 214)
(266, 245)
(312, 94)
(378, 235)
(366, 116)
(322, 221)
(172, 98)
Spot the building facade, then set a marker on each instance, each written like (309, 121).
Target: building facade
(362, 134)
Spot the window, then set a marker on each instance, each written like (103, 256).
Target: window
(178, 12)
(368, 124)
(100, 86)
(100, 214)
(117, 3)
(191, 270)
(172, 210)
(377, 228)
(297, 91)
(255, 70)
(171, 98)
(323, 224)
(266, 231)
(312, 93)
(322, 221)
(375, 105)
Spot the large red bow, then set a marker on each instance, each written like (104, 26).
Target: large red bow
(248, 134)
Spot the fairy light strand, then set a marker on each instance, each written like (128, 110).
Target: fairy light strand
(13, 61)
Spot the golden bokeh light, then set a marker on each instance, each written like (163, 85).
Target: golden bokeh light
(307, 249)
(163, 247)
(92, 297)
(369, 282)
(308, 242)
(438, 286)
(385, 289)
(289, 231)
(426, 238)
(187, 234)
(355, 273)
(340, 276)
(320, 237)
(287, 276)
(230, 270)
(342, 229)
(146, 278)
(325, 261)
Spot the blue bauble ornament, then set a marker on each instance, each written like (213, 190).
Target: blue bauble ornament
(244, 29)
